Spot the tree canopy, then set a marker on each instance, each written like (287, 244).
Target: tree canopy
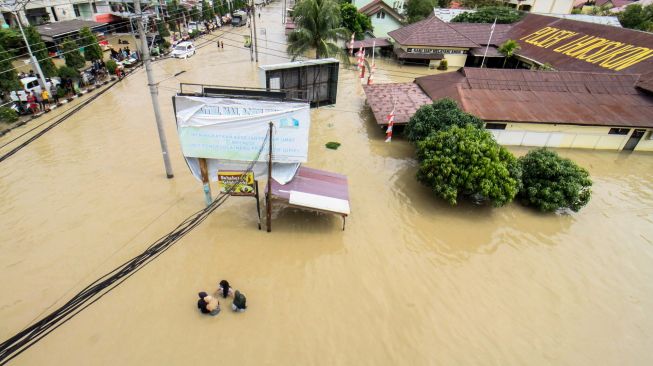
(638, 17)
(207, 11)
(354, 21)
(551, 182)
(467, 161)
(318, 27)
(162, 29)
(40, 51)
(417, 10)
(195, 14)
(9, 80)
(440, 115)
(11, 41)
(92, 50)
(503, 15)
(508, 49)
(73, 57)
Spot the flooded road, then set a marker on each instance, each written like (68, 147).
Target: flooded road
(411, 281)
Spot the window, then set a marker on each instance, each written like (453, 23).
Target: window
(76, 9)
(382, 14)
(619, 131)
(94, 8)
(378, 15)
(495, 126)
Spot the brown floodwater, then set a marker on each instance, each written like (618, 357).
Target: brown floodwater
(410, 281)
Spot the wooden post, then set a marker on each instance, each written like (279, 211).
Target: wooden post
(258, 204)
(204, 170)
(268, 194)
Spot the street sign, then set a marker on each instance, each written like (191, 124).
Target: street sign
(237, 183)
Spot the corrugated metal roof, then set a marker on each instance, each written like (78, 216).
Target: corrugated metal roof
(376, 5)
(533, 23)
(405, 97)
(431, 32)
(598, 19)
(545, 96)
(366, 43)
(480, 32)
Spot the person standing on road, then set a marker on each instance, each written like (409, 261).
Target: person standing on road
(45, 97)
(222, 45)
(55, 93)
(31, 102)
(39, 100)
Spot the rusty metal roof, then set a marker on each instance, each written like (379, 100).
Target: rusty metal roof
(405, 97)
(431, 32)
(533, 23)
(545, 96)
(480, 32)
(369, 42)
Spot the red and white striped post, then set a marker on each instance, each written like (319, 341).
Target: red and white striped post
(351, 45)
(370, 79)
(391, 122)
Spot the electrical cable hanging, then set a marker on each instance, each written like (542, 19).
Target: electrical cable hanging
(29, 336)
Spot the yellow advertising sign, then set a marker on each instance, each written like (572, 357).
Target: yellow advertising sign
(238, 182)
(608, 54)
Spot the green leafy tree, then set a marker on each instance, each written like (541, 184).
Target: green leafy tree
(354, 21)
(467, 161)
(40, 51)
(162, 29)
(638, 17)
(207, 11)
(417, 10)
(72, 55)
(551, 182)
(318, 27)
(9, 78)
(440, 115)
(503, 15)
(8, 115)
(111, 67)
(11, 41)
(508, 49)
(475, 4)
(68, 72)
(195, 14)
(92, 50)
(174, 16)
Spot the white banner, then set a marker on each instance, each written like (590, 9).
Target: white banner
(235, 129)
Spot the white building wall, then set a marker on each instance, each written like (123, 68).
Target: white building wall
(567, 136)
(384, 25)
(552, 6)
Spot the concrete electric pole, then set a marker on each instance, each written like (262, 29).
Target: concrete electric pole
(145, 51)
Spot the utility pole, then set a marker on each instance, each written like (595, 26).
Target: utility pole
(268, 195)
(44, 85)
(145, 52)
(254, 25)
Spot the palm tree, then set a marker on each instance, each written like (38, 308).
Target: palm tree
(318, 25)
(508, 49)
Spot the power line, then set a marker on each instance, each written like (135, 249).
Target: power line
(29, 336)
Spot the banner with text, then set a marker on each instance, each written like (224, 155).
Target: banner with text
(235, 129)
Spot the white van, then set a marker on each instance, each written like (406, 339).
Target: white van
(31, 83)
(183, 50)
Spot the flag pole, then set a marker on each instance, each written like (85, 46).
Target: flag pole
(488, 42)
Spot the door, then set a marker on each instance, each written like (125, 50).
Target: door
(634, 139)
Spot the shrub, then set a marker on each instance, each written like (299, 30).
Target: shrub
(111, 66)
(444, 65)
(68, 72)
(332, 145)
(8, 115)
(467, 161)
(502, 14)
(551, 182)
(438, 116)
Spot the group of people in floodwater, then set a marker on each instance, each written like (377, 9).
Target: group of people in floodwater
(209, 304)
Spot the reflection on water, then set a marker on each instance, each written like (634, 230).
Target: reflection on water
(411, 280)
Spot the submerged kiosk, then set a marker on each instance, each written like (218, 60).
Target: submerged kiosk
(234, 136)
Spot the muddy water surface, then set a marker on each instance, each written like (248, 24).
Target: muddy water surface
(410, 281)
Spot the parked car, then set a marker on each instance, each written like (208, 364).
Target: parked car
(239, 19)
(183, 50)
(31, 83)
